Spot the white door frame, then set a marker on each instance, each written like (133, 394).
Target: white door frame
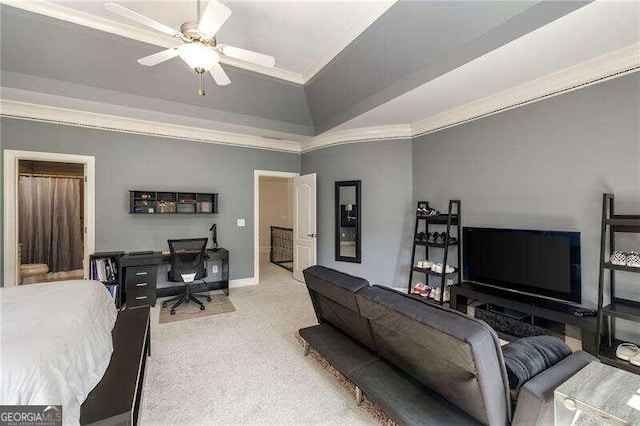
(257, 174)
(11, 219)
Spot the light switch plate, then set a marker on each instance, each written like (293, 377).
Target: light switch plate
(240, 222)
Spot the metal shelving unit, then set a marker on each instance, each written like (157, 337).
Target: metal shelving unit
(618, 307)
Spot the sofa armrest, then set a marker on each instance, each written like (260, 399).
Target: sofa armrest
(535, 400)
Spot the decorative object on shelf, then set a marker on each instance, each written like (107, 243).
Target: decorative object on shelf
(633, 260)
(426, 217)
(619, 258)
(200, 49)
(166, 202)
(629, 352)
(348, 225)
(214, 236)
(618, 308)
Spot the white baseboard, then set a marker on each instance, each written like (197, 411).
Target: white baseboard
(243, 282)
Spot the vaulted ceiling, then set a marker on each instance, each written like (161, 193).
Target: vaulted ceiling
(340, 66)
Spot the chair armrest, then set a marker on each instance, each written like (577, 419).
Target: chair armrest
(535, 400)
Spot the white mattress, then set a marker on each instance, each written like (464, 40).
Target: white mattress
(56, 343)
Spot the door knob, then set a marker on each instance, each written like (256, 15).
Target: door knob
(312, 235)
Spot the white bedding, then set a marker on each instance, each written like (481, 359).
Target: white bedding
(56, 343)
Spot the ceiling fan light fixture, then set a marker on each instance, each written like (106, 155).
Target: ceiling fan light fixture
(199, 57)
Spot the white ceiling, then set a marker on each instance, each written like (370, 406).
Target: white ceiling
(302, 36)
(589, 32)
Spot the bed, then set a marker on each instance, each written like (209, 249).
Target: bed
(57, 342)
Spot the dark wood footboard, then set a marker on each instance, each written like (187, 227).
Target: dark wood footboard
(116, 399)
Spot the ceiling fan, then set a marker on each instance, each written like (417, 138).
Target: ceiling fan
(200, 49)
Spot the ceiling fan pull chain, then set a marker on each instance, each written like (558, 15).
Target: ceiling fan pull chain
(201, 91)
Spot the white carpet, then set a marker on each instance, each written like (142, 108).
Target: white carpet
(244, 367)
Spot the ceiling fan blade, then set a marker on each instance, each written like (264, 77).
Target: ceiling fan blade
(141, 19)
(159, 57)
(218, 74)
(249, 56)
(214, 16)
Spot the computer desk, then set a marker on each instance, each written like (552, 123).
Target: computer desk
(143, 277)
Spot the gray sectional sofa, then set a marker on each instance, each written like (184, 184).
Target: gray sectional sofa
(422, 363)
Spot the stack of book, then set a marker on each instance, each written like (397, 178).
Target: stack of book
(112, 290)
(104, 269)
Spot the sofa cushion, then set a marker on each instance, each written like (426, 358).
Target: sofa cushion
(402, 398)
(335, 285)
(333, 296)
(341, 351)
(530, 356)
(457, 356)
(406, 400)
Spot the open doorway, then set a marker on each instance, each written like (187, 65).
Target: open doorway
(275, 227)
(274, 223)
(50, 230)
(48, 210)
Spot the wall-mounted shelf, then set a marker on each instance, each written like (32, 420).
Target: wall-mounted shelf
(168, 202)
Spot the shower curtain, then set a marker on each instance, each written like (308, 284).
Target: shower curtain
(50, 224)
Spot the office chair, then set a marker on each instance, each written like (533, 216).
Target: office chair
(187, 265)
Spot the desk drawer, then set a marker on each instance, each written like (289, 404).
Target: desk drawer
(136, 298)
(141, 277)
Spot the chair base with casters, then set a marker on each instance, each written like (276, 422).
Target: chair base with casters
(187, 296)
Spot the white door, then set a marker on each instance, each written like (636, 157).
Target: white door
(305, 231)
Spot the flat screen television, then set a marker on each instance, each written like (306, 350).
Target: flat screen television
(542, 263)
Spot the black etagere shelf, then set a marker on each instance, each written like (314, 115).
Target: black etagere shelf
(450, 220)
(165, 202)
(621, 308)
(105, 267)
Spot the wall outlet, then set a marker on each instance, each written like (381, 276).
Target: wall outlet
(240, 222)
(214, 269)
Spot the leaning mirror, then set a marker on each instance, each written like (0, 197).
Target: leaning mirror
(348, 221)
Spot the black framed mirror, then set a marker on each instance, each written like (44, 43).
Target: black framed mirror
(348, 221)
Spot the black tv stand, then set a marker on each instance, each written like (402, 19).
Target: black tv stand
(564, 313)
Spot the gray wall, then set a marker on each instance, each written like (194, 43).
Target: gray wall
(1, 209)
(126, 161)
(544, 166)
(384, 167)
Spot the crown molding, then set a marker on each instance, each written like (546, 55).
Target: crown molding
(363, 134)
(347, 37)
(611, 65)
(57, 11)
(70, 117)
(615, 64)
